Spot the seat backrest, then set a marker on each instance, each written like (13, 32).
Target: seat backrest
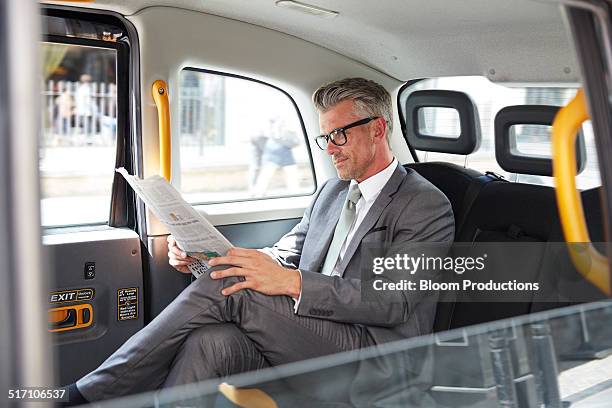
(507, 212)
(563, 284)
(462, 187)
(518, 212)
(454, 181)
(489, 210)
(529, 209)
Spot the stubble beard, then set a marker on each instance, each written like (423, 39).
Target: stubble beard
(351, 169)
(347, 173)
(344, 176)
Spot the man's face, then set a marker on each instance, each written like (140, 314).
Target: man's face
(352, 159)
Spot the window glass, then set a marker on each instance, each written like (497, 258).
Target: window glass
(531, 140)
(77, 148)
(239, 139)
(439, 122)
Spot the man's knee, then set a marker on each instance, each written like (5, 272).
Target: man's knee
(223, 348)
(210, 338)
(231, 308)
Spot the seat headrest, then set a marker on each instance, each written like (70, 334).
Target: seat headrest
(461, 106)
(525, 153)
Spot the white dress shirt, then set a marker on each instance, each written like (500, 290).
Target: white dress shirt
(370, 190)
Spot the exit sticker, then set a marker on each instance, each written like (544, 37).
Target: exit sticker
(75, 295)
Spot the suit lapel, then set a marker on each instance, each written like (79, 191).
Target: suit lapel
(384, 198)
(332, 213)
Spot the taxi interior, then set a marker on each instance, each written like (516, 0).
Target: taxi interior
(476, 87)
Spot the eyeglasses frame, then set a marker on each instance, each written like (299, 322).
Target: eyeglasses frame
(342, 130)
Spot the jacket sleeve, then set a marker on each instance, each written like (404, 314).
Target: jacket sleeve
(343, 300)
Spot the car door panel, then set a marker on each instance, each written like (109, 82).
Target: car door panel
(113, 293)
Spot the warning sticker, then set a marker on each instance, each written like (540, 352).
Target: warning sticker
(127, 304)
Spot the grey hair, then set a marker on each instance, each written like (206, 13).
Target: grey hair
(370, 98)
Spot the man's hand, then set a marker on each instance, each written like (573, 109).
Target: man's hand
(177, 258)
(261, 273)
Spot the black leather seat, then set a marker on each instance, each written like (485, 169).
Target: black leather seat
(460, 185)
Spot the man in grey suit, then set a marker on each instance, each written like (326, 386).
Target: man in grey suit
(302, 298)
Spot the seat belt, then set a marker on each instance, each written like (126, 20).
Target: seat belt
(475, 187)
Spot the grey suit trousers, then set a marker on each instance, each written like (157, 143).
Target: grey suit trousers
(280, 336)
(213, 351)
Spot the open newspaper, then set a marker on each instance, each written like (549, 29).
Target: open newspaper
(193, 233)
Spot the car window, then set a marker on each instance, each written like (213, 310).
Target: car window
(79, 133)
(239, 139)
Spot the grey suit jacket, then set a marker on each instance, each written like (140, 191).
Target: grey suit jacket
(409, 209)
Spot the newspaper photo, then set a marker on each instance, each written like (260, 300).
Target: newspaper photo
(194, 234)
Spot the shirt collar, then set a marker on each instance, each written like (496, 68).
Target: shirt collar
(371, 187)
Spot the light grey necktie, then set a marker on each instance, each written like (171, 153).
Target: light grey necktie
(347, 217)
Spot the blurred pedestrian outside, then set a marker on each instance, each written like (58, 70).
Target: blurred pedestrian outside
(278, 155)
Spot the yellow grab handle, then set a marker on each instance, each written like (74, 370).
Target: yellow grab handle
(247, 397)
(591, 264)
(160, 96)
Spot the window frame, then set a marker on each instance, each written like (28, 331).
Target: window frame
(302, 125)
(122, 208)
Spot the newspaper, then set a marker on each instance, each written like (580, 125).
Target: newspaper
(193, 233)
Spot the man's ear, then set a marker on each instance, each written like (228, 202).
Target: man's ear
(380, 129)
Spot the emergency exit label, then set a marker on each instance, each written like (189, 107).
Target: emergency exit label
(76, 295)
(127, 304)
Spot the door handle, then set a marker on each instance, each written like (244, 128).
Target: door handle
(73, 317)
(68, 321)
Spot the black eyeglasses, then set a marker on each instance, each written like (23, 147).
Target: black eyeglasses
(337, 136)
